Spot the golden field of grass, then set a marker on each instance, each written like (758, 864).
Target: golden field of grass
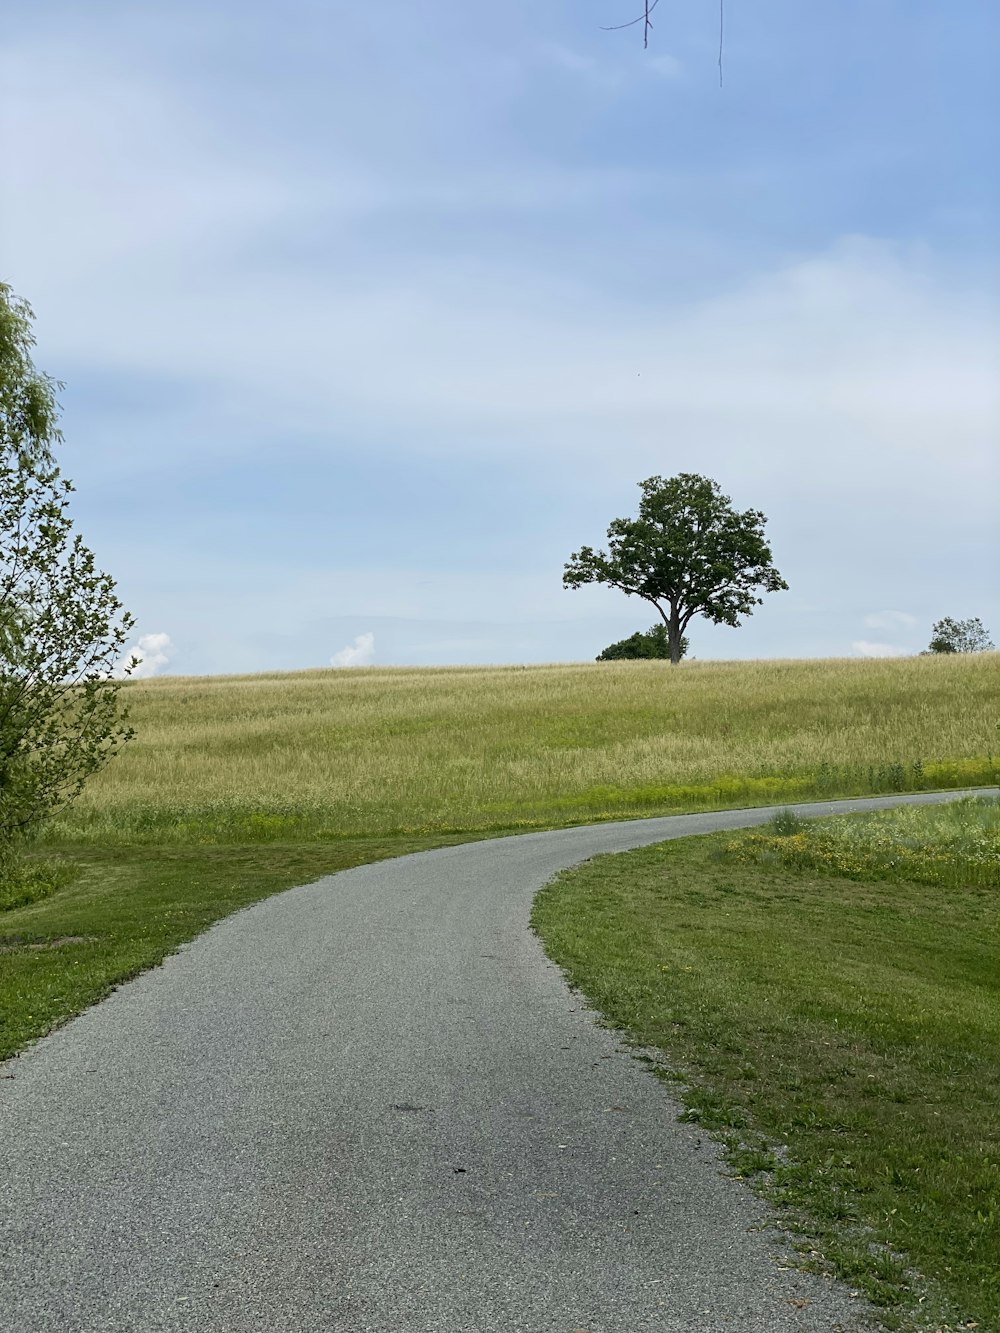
(386, 751)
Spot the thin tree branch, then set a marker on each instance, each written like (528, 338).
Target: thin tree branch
(647, 22)
(722, 23)
(643, 18)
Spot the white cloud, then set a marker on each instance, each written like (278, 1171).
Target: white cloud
(359, 653)
(890, 620)
(864, 648)
(152, 651)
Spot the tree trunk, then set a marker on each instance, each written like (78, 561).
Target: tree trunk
(674, 636)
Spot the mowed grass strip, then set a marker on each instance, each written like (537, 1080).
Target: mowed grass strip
(376, 752)
(835, 1019)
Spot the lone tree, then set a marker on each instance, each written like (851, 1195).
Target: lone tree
(959, 636)
(689, 553)
(62, 629)
(641, 646)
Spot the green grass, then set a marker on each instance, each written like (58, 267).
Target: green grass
(831, 1009)
(955, 845)
(24, 881)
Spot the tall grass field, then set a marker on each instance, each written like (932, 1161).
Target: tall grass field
(397, 752)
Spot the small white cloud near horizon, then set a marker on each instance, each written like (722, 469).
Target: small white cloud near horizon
(865, 648)
(358, 653)
(152, 651)
(890, 620)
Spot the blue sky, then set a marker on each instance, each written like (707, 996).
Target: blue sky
(370, 315)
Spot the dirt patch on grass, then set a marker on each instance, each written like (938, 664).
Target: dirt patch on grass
(59, 942)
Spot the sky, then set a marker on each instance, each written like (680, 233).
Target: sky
(368, 316)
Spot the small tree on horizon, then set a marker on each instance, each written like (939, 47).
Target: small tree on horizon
(959, 636)
(689, 553)
(641, 646)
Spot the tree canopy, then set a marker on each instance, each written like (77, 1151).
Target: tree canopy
(959, 636)
(62, 629)
(688, 553)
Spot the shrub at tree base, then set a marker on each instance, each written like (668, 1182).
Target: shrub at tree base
(654, 643)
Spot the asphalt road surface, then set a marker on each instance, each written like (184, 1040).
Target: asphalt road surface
(372, 1105)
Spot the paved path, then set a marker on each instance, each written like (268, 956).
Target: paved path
(371, 1105)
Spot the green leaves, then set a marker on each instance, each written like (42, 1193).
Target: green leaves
(62, 628)
(959, 636)
(28, 409)
(653, 643)
(688, 553)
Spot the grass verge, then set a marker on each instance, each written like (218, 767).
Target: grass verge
(834, 1016)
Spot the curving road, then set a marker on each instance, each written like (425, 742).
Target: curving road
(372, 1105)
